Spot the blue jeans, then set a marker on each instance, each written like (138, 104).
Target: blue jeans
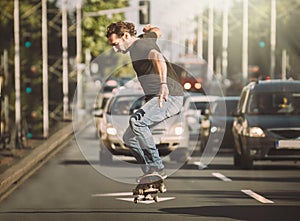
(138, 136)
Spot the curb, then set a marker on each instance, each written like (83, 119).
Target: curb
(16, 172)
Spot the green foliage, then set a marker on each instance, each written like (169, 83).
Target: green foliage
(94, 28)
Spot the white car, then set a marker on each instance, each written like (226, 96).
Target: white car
(171, 137)
(193, 109)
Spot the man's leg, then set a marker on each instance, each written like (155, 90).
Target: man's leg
(131, 142)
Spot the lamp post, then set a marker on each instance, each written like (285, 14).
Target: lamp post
(45, 70)
(245, 42)
(17, 65)
(65, 61)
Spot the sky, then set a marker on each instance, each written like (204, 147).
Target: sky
(170, 13)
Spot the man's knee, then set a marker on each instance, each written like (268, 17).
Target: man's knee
(134, 120)
(138, 114)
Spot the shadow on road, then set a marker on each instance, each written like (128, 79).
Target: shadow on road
(247, 213)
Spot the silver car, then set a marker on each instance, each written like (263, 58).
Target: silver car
(171, 136)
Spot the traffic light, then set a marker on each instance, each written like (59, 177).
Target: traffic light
(28, 87)
(262, 42)
(27, 40)
(144, 12)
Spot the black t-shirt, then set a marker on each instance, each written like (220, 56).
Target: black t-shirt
(145, 69)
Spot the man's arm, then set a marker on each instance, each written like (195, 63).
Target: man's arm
(160, 66)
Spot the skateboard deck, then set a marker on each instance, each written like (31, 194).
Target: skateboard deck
(148, 188)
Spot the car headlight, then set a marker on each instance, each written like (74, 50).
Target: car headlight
(178, 130)
(214, 129)
(111, 131)
(205, 124)
(254, 132)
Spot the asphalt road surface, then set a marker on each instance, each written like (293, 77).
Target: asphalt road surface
(69, 187)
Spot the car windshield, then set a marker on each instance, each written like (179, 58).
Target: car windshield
(124, 105)
(218, 107)
(274, 103)
(199, 106)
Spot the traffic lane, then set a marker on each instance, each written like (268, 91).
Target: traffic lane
(69, 187)
(278, 181)
(260, 194)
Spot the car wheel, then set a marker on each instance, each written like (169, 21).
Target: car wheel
(237, 161)
(105, 157)
(246, 160)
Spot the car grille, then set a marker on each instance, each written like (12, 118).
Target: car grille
(287, 133)
(158, 131)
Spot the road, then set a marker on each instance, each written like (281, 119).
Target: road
(68, 187)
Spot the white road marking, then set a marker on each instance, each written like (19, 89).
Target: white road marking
(257, 196)
(112, 194)
(221, 177)
(160, 199)
(200, 165)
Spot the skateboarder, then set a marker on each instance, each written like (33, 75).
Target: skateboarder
(163, 93)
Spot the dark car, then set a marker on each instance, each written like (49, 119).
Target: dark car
(216, 125)
(267, 122)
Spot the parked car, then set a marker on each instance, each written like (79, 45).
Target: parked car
(171, 137)
(216, 125)
(267, 122)
(193, 109)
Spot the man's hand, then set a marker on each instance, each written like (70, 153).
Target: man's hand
(163, 94)
(149, 27)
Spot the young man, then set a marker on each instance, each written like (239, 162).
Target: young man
(163, 93)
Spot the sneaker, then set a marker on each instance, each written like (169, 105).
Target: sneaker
(161, 172)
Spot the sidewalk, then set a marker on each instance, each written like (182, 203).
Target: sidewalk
(17, 163)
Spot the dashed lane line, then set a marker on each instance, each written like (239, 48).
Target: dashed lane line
(256, 196)
(221, 177)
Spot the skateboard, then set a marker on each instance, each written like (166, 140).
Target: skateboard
(148, 188)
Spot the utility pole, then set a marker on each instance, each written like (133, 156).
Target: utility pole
(245, 42)
(273, 39)
(225, 40)
(283, 64)
(200, 34)
(210, 57)
(17, 66)
(65, 61)
(45, 70)
(78, 56)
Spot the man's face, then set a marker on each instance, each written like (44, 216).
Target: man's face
(119, 44)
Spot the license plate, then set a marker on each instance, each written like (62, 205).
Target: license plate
(288, 144)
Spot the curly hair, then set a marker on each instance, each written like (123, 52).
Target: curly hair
(119, 28)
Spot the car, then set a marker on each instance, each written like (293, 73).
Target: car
(216, 125)
(171, 136)
(267, 122)
(193, 109)
(106, 92)
(98, 111)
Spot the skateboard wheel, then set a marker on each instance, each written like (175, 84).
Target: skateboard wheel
(162, 188)
(135, 200)
(155, 199)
